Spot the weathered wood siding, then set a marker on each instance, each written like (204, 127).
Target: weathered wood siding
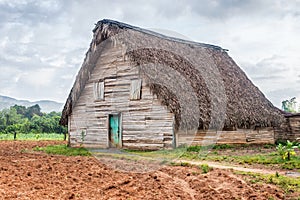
(290, 130)
(295, 127)
(145, 123)
(241, 136)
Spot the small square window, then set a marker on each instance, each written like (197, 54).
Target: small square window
(99, 90)
(135, 89)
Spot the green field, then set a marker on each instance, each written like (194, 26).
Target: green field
(32, 136)
(243, 155)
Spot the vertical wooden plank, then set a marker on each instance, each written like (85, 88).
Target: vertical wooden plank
(69, 130)
(121, 130)
(174, 141)
(107, 128)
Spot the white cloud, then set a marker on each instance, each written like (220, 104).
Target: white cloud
(39, 78)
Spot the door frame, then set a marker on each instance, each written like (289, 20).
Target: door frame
(174, 135)
(120, 144)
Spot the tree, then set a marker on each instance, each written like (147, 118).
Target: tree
(21, 110)
(11, 116)
(33, 110)
(290, 105)
(12, 121)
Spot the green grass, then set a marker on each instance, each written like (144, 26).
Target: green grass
(264, 159)
(182, 164)
(286, 183)
(223, 146)
(205, 168)
(200, 153)
(63, 150)
(198, 148)
(33, 136)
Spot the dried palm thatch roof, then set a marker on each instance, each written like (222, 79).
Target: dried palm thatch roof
(287, 115)
(200, 83)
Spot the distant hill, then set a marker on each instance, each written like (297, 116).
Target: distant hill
(46, 105)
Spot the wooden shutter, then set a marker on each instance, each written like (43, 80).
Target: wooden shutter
(135, 89)
(95, 90)
(99, 90)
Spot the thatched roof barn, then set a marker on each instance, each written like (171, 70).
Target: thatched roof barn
(162, 86)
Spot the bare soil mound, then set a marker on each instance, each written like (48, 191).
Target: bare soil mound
(29, 175)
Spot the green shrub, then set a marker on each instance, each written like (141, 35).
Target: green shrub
(286, 151)
(194, 148)
(198, 148)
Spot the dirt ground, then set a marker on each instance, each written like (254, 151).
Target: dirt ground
(25, 174)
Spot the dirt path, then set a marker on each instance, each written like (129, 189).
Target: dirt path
(240, 168)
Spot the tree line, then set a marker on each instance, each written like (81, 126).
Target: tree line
(21, 119)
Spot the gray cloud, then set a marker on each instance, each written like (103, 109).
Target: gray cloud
(43, 43)
(31, 12)
(277, 96)
(271, 65)
(267, 77)
(224, 9)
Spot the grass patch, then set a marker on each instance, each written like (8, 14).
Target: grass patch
(194, 148)
(271, 159)
(205, 168)
(286, 183)
(269, 146)
(200, 153)
(33, 136)
(223, 146)
(182, 164)
(267, 159)
(63, 150)
(198, 148)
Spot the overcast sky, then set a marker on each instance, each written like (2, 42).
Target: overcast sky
(43, 43)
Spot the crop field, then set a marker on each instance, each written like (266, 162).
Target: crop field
(35, 170)
(32, 136)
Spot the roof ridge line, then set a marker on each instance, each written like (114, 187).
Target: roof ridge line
(153, 33)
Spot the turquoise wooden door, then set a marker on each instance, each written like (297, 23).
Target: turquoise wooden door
(114, 130)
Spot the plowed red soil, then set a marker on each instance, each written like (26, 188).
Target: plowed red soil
(25, 174)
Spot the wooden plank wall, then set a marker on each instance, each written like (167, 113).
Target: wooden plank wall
(294, 123)
(289, 130)
(241, 136)
(145, 123)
